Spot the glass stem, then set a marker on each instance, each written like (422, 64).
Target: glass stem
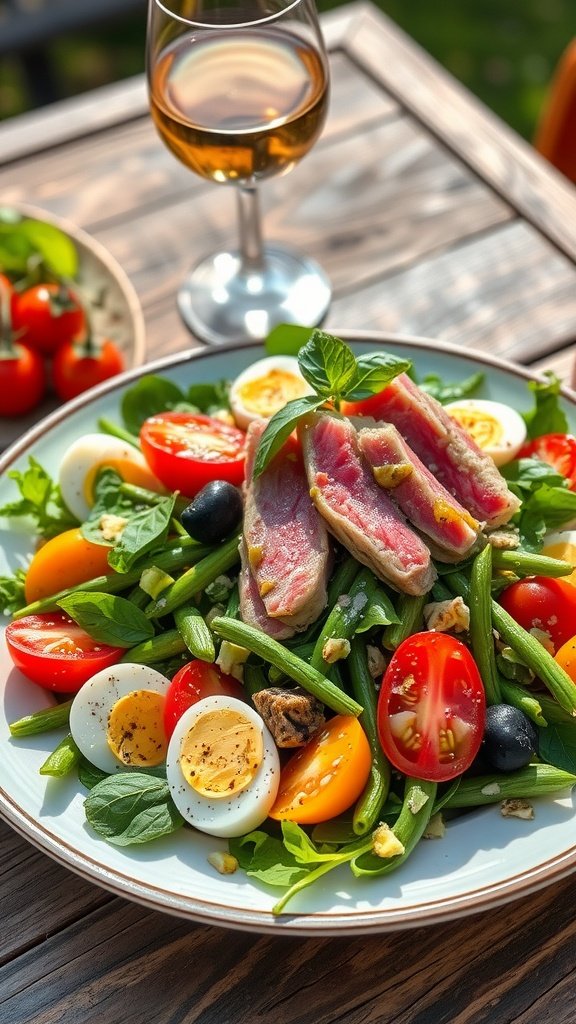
(251, 251)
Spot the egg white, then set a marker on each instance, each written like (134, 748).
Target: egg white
(231, 816)
(80, 459)
(513, 426)
(94, 701)
(288, 364)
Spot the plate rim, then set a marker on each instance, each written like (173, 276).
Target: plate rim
(263, 922)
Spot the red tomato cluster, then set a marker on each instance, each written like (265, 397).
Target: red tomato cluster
(48, 326)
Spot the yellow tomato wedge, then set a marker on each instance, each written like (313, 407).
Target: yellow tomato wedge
(65, 561)
(562, 545)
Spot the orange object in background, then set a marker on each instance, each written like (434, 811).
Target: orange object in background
(555, 135)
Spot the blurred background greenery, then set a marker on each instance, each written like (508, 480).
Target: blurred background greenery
(504, 51)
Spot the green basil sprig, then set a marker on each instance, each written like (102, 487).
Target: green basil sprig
(108, 618)
(335, 374)
(146, 530)
(131, 808)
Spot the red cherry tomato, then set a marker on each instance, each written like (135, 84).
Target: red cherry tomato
(47, 316)
(51, 650)
(559, 450)
(431, 708)
(194, 681)
(542, 603)
(77, 367)
(22, 380)
(186, 451)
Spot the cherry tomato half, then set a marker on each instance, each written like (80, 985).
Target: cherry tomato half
(51, 650)
(78, 366)
(47, 316)
(431, 708)
(22, 380)
(558, 450)
(65, 561)
(186, 451)
(542, 603)
(325, 777)
(193, 682)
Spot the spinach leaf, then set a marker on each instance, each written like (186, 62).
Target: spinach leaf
(546, 417)
(108, 618)
(146, 529)
(328, 364)
(444, 392)
(270, 862)
(130, 808)
(108, 500)
(40, 501)
(12, 596)
(89, 775)
(287, 340)
(557, 746)
(280, 427)
(209, 397)
(149, 396)
(373, 373)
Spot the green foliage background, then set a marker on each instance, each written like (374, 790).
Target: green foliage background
(502, 50)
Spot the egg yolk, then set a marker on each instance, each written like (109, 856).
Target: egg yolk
(264, 396)
(566, 552)
(135, 731)
(131, 472)
(483, 428)
(221, 753)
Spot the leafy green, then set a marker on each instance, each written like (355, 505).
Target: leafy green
(280, 427)
(27, 244)
(373, 373)
(40, 501)
(12, 596)
(327, 364)
(546, 417)
(557, 746)
(444, 392)
(108, 500)
(266, 858)
(108, 618)
(380, 612)
(147, 397)
(132, 807)
(287, 339)
(89, 775)
(208, 398)
(146, 530)
(547, 501)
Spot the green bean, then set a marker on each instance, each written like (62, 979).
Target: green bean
(375, 792)
(109, 427)
(528, 647)
(254, 679)
(529, 703)
(143, 496)
(157, 648)
(344, 618)
(417, 808)
(480, 604)
(62, 760)
(195, 632)
(45, 720)
(274, 653)
(341, 581)
(440, 592)
(233, 606)
(304, 651)
(196, 579)
(527, 563)
(532, 781)
(176, 555)
(410, 610)
(552, 712)
(139, 597)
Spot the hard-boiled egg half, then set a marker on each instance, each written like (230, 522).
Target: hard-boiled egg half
(117, 718)
(265, 388)
(83, 459)
(562, 545)
(497, 429)
(223, 767)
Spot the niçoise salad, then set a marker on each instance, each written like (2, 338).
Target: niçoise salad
(293, 687)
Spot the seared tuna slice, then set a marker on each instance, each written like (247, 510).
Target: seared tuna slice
(422, 499)
(286, 540)
(444, 447)
(358, 512)
(252, 610)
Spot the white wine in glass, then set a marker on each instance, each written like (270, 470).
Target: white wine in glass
(238, 92)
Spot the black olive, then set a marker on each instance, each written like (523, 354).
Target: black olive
(510, 738)
(214, 513)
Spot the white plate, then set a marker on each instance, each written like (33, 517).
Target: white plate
(483, 861)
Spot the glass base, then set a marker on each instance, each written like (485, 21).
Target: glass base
(221, 303)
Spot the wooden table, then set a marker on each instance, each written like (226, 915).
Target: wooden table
(431, 218)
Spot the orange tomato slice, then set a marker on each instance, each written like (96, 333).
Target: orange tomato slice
(64, 561)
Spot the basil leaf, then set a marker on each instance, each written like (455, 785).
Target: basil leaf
(298, 843)
(287, 340)
(130, 808)
(527, 474)
(380, 612)
(433, 385)
(207, 397)
(280, 427)
(270, 861)
(12, 596)
(108, 618)
(373, 373)
(149, 396)
(146, 529)
(546, 417)
(107, 501)
(57, 249)
(40, 501)
(557, 746)
(328, 364)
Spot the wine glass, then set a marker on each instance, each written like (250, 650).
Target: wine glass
(239, 92)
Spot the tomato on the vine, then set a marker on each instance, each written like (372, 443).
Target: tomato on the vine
(78, 366)
(541, 603)
(53, 651)
(431, 707)
(558, 450)
(22, 379)
(187, 451)
(193, 682)
(47, 316)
